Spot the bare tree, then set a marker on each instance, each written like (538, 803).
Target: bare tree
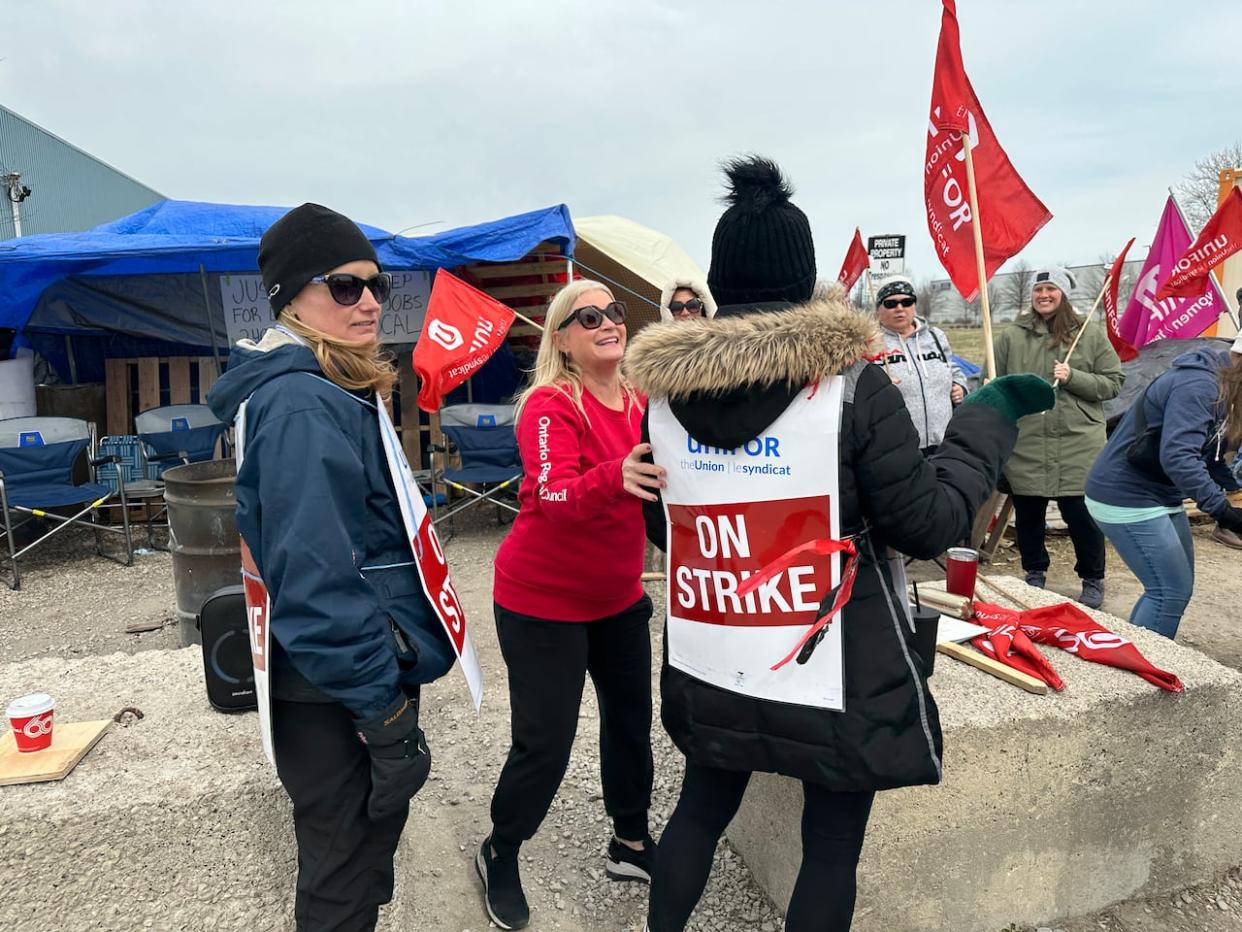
(927, 296)
(1014, 289)
(1198, 192)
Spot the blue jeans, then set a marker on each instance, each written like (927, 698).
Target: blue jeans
(1161, 553)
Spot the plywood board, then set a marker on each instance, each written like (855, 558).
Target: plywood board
(116, 378)
(70, 742)
(179, 380)
(148, 384)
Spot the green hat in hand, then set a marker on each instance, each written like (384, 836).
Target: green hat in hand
(1015, 396)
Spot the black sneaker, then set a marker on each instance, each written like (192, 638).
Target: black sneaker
(1037, 579)
(624, 863)
(502, 888)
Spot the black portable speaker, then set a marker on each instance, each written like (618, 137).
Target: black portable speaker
(226, 651)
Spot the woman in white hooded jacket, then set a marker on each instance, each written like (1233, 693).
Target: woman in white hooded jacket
(686, 299)
(919, 361)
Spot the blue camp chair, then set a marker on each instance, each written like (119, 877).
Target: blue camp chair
(177, 435)
(482, 435)
(171, 436)
(37, 458)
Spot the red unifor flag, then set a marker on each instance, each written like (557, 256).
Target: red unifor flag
(1220, 239)
(856, 259)
(1065, 626)
(1011, 213)
(462, 329)
(1111, 317)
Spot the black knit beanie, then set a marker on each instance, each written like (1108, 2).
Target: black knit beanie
(308, 241)
(762, 248)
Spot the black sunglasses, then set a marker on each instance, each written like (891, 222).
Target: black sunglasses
(346, 290)
(892, 303)
(694, 304)
(591, 317)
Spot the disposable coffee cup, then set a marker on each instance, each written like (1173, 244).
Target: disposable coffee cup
(31, 720)
(926, 626)
(961, 570)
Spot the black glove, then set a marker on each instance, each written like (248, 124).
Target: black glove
(400, 760)
(1015, 396)
(1231, 519)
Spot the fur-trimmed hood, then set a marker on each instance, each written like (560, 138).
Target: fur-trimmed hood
(698, 286)
(794, 346)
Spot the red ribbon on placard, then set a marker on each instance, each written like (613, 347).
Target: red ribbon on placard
(821, 548)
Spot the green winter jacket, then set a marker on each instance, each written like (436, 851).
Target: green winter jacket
(1056, 448)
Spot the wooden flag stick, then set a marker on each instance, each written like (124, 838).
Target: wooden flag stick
(527, 319)
(980, 266)
(1083, 329)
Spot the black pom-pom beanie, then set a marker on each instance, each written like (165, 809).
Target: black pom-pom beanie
(762, 248)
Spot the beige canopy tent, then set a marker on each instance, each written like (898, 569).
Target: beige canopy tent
(634, 260)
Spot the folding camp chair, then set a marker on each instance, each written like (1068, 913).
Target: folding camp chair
(483, 437)
(37, 457)
(171, 436)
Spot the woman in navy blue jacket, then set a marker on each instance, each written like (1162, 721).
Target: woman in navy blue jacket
(352, 635)
(1196, 409)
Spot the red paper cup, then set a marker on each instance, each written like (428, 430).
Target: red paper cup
(961, 568)
(31, 720)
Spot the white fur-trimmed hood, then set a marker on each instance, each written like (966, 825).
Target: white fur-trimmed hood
(698, 286)
(794, 346)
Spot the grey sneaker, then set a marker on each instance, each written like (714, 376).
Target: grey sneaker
(1092, 593)
(1036, 579)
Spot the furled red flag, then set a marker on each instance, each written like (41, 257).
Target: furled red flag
(1220, 239)
(1124, 350)
(462, 329)
(1073, 630)
(1147, 318)
(1011, 213)
(856, 259)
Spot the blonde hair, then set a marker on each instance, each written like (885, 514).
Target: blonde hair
(353, 366)
(553, 367)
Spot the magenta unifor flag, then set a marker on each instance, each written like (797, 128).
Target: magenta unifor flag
(1147, 319)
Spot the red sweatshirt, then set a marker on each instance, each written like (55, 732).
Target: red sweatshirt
(575, 552)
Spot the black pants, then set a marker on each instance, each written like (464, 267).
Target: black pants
(548, 662)
(345, 861)
(1030, 512)
(833, 826)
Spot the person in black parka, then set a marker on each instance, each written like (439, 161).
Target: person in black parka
(726, 381)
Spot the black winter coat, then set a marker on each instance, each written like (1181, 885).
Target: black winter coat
(727, 380)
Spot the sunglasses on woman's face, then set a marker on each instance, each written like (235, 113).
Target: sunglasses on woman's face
(893, 303)
(591, 317)
(346, 290)
(694, 305)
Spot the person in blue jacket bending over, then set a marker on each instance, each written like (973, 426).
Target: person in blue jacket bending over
(352, 635)
(1190, 415)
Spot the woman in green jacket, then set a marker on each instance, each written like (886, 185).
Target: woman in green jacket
(1056, 448)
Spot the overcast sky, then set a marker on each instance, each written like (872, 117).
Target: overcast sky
(445, 114)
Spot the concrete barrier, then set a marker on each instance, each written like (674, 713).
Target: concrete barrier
(176, 822)
(1051, 807)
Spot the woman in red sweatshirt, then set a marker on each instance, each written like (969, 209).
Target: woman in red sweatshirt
(569, 598)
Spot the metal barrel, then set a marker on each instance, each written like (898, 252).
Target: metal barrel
(206, 549)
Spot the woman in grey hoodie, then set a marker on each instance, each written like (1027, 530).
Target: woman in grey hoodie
(919, 361)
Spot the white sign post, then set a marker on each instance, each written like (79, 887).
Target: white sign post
(887, 254)
(247, 313)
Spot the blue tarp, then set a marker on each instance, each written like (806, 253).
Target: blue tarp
(178, 238)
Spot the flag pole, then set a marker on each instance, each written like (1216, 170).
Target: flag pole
(527, 319)
(1220, 292)
(990, 352)
(1083, 329)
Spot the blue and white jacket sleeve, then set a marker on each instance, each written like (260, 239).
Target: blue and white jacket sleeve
(301, 498)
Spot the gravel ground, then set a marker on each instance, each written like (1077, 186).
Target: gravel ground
(74, 603)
